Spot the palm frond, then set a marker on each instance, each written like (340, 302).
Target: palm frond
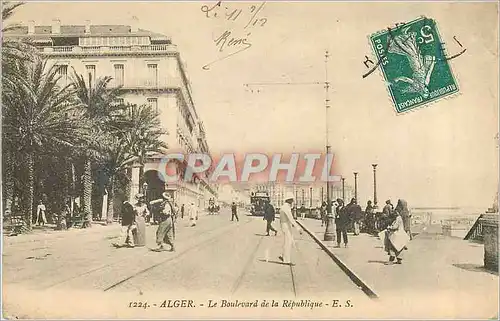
(9, 8)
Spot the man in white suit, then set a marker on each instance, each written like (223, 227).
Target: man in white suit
(287, 222)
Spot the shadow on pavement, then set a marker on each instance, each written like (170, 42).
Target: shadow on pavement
(474, 268)
(276, 262)
(377, 261)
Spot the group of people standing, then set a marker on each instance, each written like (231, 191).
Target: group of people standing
(345, 216)
(393, 225)
(134, 221)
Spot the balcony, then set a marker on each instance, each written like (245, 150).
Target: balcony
(98, 50)
(132, 82)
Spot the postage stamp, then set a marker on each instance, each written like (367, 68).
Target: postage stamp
(414, 63)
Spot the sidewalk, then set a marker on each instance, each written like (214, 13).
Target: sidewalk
(432, 264)
(49, 232)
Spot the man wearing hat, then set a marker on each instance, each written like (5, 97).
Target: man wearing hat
(287, 222)
(164, 233)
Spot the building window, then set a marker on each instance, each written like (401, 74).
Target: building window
(119, 74)
(152, 75)
(62, 72)
(90, 73)
(153, 102)
(120, 101)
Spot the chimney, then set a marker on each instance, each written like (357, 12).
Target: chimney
(31, 27)
(133, 24)
(56, 26)
(87, 26)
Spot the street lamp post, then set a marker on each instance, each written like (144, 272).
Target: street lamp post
(374, 185)
(310, 197)
(356, 185)
(329, 230)
(343, 189)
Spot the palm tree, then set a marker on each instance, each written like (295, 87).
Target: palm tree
(144, 130)
(39, 117)
(98, 103)
(139, 136)
(14, 51)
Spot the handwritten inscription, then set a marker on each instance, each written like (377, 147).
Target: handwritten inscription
(236, 38)
(226, 41)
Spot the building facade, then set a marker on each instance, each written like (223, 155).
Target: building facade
(148, 68)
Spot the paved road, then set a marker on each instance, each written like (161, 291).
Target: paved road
(216, 255)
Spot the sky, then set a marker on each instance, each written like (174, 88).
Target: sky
(444, 154)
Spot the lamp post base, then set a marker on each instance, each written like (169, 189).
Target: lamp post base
(330, 229)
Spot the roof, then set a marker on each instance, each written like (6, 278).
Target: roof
(79, 31)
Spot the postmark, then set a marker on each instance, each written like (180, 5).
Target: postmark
(414, 64)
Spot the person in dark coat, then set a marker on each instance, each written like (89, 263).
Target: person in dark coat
(269, 216)
(128, 223)
(234, 212)
(355, 215)
(369, 217)
(341, 222)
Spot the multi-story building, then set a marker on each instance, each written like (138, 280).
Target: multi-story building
(148, 68)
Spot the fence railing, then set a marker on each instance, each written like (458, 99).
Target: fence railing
(102, 49)
(476, 231)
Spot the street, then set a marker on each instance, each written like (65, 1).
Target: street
(216, 255)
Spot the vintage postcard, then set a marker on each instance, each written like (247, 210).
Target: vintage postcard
(250, 160)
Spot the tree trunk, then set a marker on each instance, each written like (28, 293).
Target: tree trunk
(30, 189)
(87, 191)
(111, 194)
(8, 180)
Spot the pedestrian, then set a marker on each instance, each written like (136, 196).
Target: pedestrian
(62, 218)
(141, 212)
(128, 224)
(395, 239)
(192, 214)
(269, 217)
(341, 222)
(369, 217)
(40, 214)
(234, 212)
(355, 215)
(387, 214)
(323, 214)
(388, 208)
(164, 233)
(182, 211)
(402, 209)
(287, 222)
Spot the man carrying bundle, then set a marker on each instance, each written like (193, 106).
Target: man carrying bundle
(164, 233)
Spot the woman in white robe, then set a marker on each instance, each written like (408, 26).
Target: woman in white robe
(395, 239)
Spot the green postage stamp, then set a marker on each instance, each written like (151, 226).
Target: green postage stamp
(414, 63)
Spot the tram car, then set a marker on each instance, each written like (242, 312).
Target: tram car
(212, 207)
(258, 201)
